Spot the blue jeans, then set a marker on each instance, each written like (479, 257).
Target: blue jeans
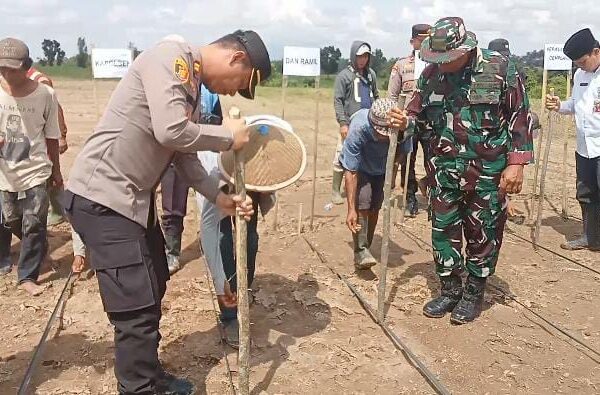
(228, 255)
(25, 213)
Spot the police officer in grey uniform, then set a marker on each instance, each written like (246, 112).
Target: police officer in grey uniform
(150, 121)
(402, 82)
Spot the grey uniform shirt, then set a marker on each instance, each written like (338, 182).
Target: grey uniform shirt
(148, 123)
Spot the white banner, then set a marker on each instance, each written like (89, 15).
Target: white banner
(301, 61)
(111, 63)
(555, 59)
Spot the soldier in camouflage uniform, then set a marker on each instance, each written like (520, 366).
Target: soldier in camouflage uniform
(402, 81)
(476, 104)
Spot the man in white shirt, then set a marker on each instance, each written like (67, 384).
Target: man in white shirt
(29, 164)
(584, 50)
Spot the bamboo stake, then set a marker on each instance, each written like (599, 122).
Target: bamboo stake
(539, 146)
(385, 243)
(241, 258)
(402, 204)
(540, 206)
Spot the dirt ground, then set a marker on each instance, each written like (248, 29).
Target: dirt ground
(309, 334)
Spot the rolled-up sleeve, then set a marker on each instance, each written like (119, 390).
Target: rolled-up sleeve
(519, 127)
(350, 157)
(167, 100)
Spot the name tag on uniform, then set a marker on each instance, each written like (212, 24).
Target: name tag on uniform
(584, 84)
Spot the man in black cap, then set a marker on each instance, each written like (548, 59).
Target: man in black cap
(402, 82)
(150, 122)
(502, 46)
(584, 102)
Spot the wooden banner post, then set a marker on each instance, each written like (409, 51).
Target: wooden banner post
(305, 62)
(565, 208)
(284, 84)
(315, 150)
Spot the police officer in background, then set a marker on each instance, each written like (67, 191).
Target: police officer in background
(150, 121)
(402, 81)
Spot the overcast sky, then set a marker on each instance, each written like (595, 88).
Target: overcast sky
(527, 24)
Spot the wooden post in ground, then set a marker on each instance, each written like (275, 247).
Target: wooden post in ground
(402, 204)
(315, 149)
(537, 154)
(299, 219)
(241, 259)
(540, 206)
(565, 208)
(275, 213)
(385, 243)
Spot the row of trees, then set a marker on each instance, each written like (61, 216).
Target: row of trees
(55, 56)
(331, 63)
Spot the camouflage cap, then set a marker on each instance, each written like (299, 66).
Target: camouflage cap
(448, 40)
(378, 116)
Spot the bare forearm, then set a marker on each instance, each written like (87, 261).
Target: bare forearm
(53, 154)
(351, 183)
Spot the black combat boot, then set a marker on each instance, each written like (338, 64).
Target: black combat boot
(412, 205)
(451, 293)
(469, 306)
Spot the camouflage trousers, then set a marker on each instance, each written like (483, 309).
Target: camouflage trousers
(478, 215)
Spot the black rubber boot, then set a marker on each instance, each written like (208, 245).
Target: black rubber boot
(173, 251)
(362, 255)
(336, 187)
(412, 205)
(592, 226)
(450, 296)
(470, 305)
(168, 384)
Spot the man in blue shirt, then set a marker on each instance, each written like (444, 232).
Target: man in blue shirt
(364, 157)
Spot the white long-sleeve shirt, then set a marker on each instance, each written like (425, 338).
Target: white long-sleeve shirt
(585, 104)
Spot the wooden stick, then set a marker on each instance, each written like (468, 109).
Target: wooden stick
(540, 206)
(241, 260)
(402, 204)
(539, 146)
(299, 219)
(565, 208)
(385, 242)
(275, 213)
(315, 149)
(284, 84)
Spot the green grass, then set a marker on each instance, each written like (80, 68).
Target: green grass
(66, 71)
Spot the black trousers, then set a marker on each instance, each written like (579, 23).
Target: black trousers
(174, 192)
(132, 273)
(413, 185)
(588, 196)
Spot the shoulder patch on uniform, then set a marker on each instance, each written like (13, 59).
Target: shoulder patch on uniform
(182, 71)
